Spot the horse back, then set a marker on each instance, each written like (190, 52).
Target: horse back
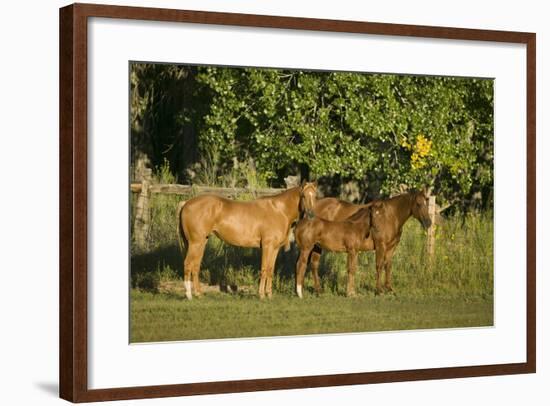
(236, 222)
(334, 209)
(214, 206)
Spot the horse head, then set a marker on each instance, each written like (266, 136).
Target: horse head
(420, 208)
(308, 196)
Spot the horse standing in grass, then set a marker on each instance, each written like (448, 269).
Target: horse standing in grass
(264, 223)
(339, 236)
(387, 220)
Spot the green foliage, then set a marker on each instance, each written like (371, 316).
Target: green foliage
(381, 130)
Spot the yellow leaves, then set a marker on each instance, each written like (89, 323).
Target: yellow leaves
(416, 161)
(420, 150)
(423, 145)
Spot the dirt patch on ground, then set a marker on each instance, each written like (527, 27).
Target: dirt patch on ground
(179, 288)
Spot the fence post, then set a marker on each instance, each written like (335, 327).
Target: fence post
(430, 243)
(143, 215)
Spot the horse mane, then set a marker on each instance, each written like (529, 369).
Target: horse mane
(380, 202)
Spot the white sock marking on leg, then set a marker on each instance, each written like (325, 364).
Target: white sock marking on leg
(299, 291)
(188, 289)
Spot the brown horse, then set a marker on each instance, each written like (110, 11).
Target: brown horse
(387, 220)
(338, 236)
(265, 223)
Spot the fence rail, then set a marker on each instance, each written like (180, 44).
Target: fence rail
(172, 189)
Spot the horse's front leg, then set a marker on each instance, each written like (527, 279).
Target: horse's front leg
(301, 267)
(352, 268)
(315, 259)
(269, 255)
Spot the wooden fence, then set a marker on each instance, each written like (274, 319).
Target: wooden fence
(145, 189)
(171, 189)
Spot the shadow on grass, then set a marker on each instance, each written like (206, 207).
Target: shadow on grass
(222, 265)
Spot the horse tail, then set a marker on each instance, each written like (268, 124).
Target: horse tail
(182, 240)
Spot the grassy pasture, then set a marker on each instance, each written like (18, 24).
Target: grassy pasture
(169, 317)
(454, 289)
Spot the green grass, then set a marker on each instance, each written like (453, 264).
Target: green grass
(168, 317)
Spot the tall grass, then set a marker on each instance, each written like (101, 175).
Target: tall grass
(162, 231)
(461, 267)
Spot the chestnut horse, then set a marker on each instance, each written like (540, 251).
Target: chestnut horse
(387, 219)
(339, 236)
(265, 223)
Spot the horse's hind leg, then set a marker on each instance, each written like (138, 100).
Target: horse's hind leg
(197, 291)
(315, 259)
(191, 266)
(270, 273)
(269, 254)
(352, 268)
(380, 261)
(387, 265)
